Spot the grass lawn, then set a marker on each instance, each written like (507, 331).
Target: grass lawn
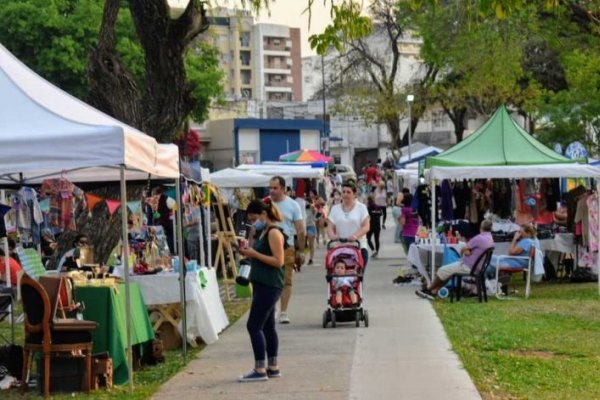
(146, 381)
(546, 347)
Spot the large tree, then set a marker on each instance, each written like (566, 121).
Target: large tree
(368, 64)
(55, 38)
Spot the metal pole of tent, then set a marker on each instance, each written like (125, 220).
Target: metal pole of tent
(125, 262)
(182, 267)
(8, 285)
(208, 231)
(432, 235)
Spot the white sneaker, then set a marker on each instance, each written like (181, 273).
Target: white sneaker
(283, 318)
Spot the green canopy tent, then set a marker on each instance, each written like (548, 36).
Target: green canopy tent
(500, 141)
(501, 149)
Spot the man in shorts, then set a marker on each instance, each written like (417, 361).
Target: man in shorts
(470, 253)
(292, 224)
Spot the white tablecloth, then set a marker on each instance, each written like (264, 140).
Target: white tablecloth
(206, 317)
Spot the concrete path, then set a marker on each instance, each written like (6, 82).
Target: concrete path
(403, 354)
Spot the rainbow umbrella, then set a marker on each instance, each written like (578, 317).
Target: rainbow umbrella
(305, 155)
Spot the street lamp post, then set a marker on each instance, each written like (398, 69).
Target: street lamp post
(409, 99)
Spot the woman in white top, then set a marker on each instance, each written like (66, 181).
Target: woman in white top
(380, 196)
(350, 219)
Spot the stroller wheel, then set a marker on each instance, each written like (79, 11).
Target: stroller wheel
(333, 324)
(325, 319)
(366, 318)
(357, 319)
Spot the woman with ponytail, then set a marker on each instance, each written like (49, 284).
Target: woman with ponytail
(267, 278)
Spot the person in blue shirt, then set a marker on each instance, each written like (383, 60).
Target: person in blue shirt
(520, 246)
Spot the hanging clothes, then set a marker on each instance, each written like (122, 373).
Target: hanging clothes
(447, 201)
(592, 233)
(571, 198)
(63, 194)
(462, 196)
(29, 215)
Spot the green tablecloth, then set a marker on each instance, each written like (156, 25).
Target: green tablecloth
(106, 305)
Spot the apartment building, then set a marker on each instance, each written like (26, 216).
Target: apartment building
(261, 61)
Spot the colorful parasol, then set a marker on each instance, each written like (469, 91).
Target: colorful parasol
(305, 155)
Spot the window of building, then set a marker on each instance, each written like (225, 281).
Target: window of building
(246, 93)
(245, 39)
(276, 42)
(308, 79)
(439, 118)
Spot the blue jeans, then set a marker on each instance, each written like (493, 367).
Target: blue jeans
(407, 241)
(261, 321)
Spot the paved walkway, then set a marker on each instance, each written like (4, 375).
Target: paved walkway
(403, 354)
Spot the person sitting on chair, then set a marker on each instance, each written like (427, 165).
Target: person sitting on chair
(470, 254)
(520, 246)
(68, 261)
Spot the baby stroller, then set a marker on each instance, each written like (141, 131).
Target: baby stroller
(350, 254)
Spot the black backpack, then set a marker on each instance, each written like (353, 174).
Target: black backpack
(11, 357)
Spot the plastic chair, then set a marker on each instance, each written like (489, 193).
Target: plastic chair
(477, 273)
(45, 334)
(512, 270)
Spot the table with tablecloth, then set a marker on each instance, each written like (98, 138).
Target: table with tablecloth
(106, 306)
(206, 316)
(419, 255)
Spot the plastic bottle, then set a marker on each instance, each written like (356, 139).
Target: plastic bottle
(450, 237)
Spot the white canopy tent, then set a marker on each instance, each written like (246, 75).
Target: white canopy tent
(232, 178)
(287, 171)
(45, 132)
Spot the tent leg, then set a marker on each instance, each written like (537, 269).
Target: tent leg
(182, 267)
(125, 261)
(433, 223)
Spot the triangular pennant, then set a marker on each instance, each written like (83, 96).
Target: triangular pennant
(134, 206)
(112, 206)
(92, 200)
(45, 205)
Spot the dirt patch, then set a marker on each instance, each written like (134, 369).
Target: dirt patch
(544, 355)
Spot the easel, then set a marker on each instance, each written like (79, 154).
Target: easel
(226, 237)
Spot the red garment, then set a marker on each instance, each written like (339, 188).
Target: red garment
(14, 267)
(371, 174)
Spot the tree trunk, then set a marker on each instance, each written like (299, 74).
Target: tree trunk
(112, 87)
(457, 116)
(414, 121)
(167, 98)
(393, 125)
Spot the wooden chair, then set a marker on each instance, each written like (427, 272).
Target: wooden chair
(528, 271)
(477, 273)
(45, 334)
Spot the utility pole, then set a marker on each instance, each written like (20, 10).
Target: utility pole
(409, 99)
(325, 133)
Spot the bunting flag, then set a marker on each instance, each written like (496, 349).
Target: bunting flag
(45, 205)
(134, 206)
(92, 201)
(112, 206)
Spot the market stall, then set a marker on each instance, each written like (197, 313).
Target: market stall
(234, 178)
(500, 149)
(65, 138)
